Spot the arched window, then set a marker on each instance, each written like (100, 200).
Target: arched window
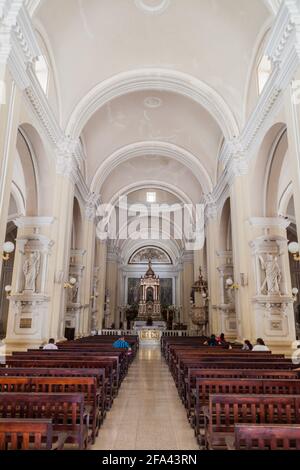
(263, 72)
(42, 72)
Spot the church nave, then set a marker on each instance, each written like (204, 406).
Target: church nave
(147, 414)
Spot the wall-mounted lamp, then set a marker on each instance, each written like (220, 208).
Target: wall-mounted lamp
(231, 285)
(8, 248)
(295, 293)
(70, 284)
(294, 248)
(8, 290)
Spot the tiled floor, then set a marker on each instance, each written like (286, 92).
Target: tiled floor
(147, 414)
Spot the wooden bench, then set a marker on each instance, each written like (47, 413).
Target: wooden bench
(108, 365)
(265, 437)
(193, 374)
(224, 411)
(85, 385)
(99, 375)
(66, 410)
(263, 386)
(28, 434)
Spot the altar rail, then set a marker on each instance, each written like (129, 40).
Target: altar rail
(164, 333)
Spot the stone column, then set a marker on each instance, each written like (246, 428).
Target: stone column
(101, 251)
(9, 122)
(89, 260)
(292, 113)
(63, 200)
(15, 55)
(273, 314)
(29, 320)
(74, 315)
(212, 231)
(112, 281)
(240, 211)
(187, 281)
(226, 306)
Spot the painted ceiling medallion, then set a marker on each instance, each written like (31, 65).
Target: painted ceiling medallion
(152, 102)
(153, 7)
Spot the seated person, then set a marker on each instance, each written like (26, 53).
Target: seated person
(260, 345)
(122, 344)
(51, 344)
(212, 341)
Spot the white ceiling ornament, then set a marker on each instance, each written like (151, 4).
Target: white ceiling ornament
(152, 102)
(153, 7)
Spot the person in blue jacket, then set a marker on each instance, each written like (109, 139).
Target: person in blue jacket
(121, 344)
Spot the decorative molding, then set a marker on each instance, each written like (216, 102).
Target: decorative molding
(156, 9)
(153, 79)
(139, 149)
(22, 222)
(266, 222)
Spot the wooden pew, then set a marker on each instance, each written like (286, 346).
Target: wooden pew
(109, 365)
(265, 437)
(66, 410)
(194, 374)
(225, 411)
(85, 385)
(263, 386)
(29, 434)
(99, 375)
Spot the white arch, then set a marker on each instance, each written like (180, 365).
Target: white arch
(273, 5)
(153, 184)
(153, 79)
(163, 149)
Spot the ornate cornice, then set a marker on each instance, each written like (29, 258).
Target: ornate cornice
(268, 222)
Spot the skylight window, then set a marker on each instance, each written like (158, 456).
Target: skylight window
(151, 197)
(42, 73)
(263, 72)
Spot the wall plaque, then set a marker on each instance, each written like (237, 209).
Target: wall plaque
(25, 323)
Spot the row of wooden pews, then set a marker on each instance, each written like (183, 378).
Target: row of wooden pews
(236, 400)
(58, 399)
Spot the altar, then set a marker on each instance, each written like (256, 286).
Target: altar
(149, 335)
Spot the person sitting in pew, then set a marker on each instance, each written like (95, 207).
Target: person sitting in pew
(247, 346)
(221, 340)
(51, 344)
(260, 345)
(122, 344)
(212, 341)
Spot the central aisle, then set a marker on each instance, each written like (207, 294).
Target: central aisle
(147, 414)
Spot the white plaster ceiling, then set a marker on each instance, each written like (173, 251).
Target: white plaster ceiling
(148, 117)
(93, 40)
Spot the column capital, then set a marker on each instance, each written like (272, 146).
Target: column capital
(91, 206)
(69, 155)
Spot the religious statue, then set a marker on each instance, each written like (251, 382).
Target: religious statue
(273, 274)
(31, 268)
(73, 293)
